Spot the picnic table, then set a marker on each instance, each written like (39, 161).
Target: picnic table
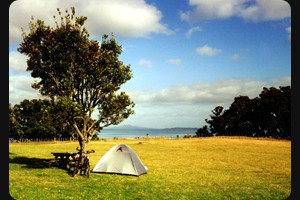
(63, 158)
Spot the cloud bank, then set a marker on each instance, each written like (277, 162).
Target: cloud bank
(20, 89)
(216, 92)
(255, 10)
(131, 18)
(17, 61)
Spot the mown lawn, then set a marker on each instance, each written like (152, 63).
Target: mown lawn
(194, 168)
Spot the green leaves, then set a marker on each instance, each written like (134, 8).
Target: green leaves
(80, 20)
(79, 73)
(39, 119)
(266, 116)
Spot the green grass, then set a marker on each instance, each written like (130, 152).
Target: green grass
(196, 168)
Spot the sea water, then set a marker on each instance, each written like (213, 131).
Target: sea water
(138, 133)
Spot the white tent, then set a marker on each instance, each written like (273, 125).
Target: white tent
(120, 159)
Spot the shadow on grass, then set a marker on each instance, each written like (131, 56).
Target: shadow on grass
(39, 163)
(35, 163)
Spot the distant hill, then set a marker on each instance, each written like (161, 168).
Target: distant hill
(181, 128)
(127, 127)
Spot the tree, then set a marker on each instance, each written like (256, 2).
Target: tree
(276, 111)
(57, 116)
(203, 132)
(239, 111)
(31, 120)
(216, 121)
(77, 73)
(14, 128)
(268, 115)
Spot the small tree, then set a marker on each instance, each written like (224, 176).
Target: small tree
(203, 132)
(216, 121)
(78, 74)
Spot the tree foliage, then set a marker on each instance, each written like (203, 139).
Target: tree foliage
(33, 119)
(14, 127)
(80, 75)
(268, 115)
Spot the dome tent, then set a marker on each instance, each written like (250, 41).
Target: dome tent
(120, 159)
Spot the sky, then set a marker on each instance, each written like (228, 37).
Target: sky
(186, 56)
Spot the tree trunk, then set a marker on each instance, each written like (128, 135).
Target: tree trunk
(83, 147)
(84, 136)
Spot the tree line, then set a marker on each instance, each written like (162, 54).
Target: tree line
(43, 119)
(268, 115)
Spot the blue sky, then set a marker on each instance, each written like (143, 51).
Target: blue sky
(187, 56)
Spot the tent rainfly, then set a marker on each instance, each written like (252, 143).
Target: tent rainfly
(120, 159)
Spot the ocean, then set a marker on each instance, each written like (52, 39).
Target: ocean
(138, 133)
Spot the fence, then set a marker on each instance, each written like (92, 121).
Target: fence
(41, 140)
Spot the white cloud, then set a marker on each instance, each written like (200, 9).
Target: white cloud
(175, 61)
(190, 105)
(207, 51)
(20, 89)
(192, 30)
(211, 9)
(266, 10)
(167, 117)
(145, 63)
(17, 61)
(235, 56)
(219, 92)
(251, 10)
(281, 81)
(133, 18)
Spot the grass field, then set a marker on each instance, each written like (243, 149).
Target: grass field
(194, 168)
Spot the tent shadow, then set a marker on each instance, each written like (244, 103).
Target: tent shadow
(33, 163)
(117, 174)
